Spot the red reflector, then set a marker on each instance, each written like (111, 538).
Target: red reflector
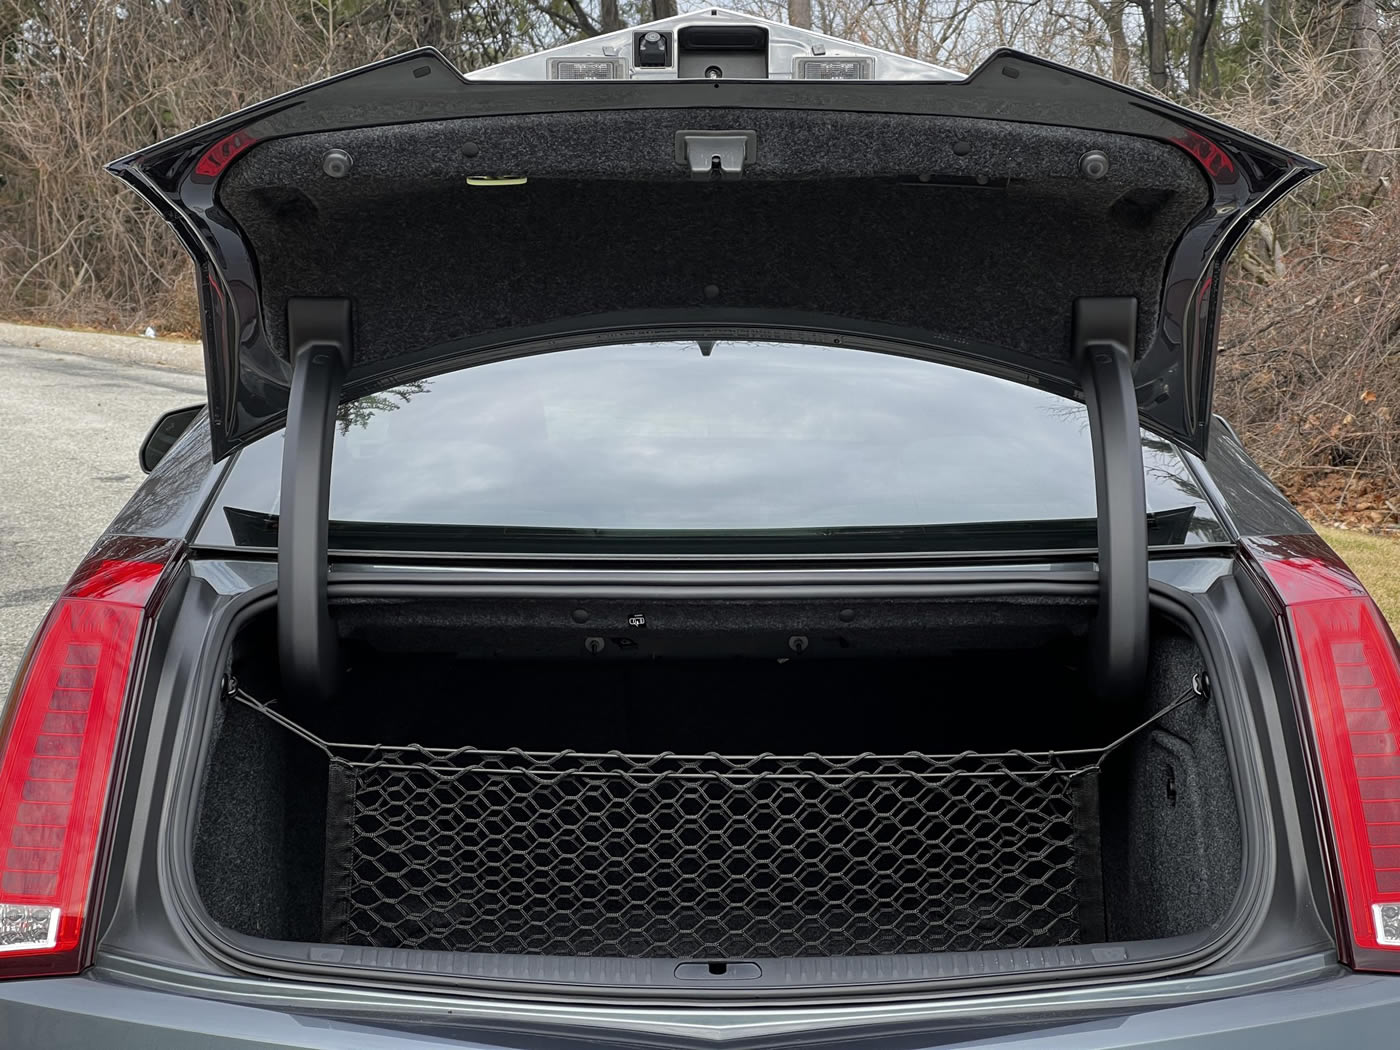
(220, 155)
(1214, 159)
(59, 743)
(1350, 665)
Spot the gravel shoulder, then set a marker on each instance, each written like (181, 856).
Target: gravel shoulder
(70, 427)
(175, 354)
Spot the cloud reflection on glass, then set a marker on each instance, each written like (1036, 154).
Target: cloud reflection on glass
(755, 436)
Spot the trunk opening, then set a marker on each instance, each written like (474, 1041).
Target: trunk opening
(751, 780)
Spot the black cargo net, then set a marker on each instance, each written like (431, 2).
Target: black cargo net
(710, 856)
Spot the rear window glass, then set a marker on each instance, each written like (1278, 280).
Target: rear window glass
(711, 446)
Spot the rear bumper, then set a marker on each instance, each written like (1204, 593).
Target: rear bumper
(1338, 1008)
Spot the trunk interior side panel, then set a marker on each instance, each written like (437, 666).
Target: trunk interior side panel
(1175, 863)
(1153, 847)
(261, 848)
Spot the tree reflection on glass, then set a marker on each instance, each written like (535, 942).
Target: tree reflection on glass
(359, 412)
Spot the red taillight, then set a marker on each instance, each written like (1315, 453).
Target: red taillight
(57, 748)
(220, 155)
(1350, 666)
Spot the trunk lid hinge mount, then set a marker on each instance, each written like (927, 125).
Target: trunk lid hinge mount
(319, 339)
(1105, 333)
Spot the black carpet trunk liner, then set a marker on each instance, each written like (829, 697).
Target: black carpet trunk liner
(715, 856)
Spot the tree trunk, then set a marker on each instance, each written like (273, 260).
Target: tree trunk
(609, 17)
(663, 8)
(800, 13)
(1157, 64)
(1154, 21)
(434, 26)
(1110, 13)
(1202, 23)
(1118, 40)
(1367, 61)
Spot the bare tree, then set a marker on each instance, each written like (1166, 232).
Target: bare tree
(1371, 89)
(800, 13)
(1111, 13)
(1271, 14)
(1203, 14)
(1154, 21)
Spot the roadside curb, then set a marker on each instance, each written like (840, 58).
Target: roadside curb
(176, 355)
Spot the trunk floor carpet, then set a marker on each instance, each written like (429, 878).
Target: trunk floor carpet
(711, 856)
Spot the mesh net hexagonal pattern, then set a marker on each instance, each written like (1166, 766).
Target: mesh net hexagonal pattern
(708, 856)
(670, 856)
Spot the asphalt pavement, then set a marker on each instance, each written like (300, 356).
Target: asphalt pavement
(70, 427)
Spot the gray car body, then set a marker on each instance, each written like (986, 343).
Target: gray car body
(160, 977)
(154, 984)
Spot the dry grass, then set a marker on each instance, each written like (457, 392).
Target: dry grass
(1376, 560)
(84, 82)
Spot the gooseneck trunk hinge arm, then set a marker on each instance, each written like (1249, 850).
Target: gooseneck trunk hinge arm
(1105, 330)
(318, 334)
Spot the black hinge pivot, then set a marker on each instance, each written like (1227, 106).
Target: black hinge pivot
(318, 334)
(1105, 332)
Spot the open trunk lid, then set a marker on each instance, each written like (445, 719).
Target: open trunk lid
(402, 220)
(412, 218)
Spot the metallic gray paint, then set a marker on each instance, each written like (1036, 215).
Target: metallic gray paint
(122, 1004)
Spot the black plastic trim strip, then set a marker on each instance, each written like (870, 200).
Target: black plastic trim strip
(335, 923)
(750, 562)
